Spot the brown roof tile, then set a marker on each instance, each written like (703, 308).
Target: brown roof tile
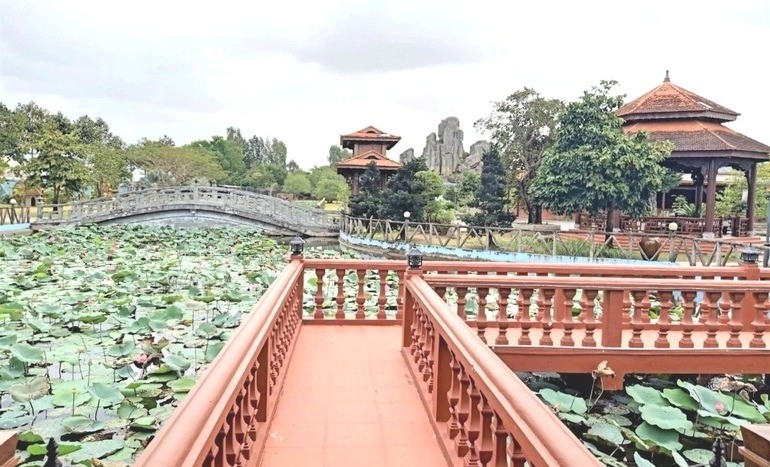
(671, 101)
(365, 158)
(694, 135)
(369, 133)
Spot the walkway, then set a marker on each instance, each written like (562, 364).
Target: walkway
(349, 400)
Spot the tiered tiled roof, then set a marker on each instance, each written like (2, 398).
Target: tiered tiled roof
(368, 134)
(691, 122)
(365, 158)
(669, 101)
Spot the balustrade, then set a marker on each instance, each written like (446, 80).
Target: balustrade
(14, 215)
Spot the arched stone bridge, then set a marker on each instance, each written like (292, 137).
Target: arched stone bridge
(192, 206)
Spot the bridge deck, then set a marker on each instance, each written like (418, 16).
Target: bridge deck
(349, 400)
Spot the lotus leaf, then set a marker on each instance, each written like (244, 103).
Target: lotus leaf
(121, 350)
(213, 350)
(30, 390)
(63, 449)
(668, 439)
(641, 461)
(645, 395)
(563, 402)
(109, 395)
(27, 353)
(182, 385)
(730, 404)
(606, 432)
(95, 450)
(668, 418)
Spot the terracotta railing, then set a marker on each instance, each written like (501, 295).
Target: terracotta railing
(695, 250)
(8, 457)
(486, 414)
(14, 215)
(223, 420)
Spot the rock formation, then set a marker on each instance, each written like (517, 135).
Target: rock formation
(444, 151)
(473, 160)
(406, 156)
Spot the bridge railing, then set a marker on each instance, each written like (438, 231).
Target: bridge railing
(229, 200)
(223, 420)
(14, 215)
(575, 243)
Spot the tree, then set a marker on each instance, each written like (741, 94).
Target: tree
(169, 165)
(261, 177)
(368, 201)
(254, 152)
(321, 173)
(275, 152)
(404, 193)
(108, 167)
(490, 199)
(337, 154)
(229, 156)
(57, 162)
(297, 183)
(431, 187)
(292, 166)
(523, 126)
(331, 190)
(593, 166)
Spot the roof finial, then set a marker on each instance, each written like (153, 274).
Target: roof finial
(667, 79)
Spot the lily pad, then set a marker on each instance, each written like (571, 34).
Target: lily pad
(27, 353)
(563, 402)
(109, 395)
(668, 439)
(645, 395)
(667, 418)
(182, 385)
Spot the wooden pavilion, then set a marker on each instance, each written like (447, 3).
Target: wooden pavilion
(702, 144)
(368, 145)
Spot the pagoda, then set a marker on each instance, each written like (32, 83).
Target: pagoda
(702, 144)
(368, 145)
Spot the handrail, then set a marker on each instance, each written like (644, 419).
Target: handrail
(193, 435)
(552, 242)
(543, 439)
(227, 199)
(14, 215)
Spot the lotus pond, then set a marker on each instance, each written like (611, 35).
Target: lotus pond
(104, 330)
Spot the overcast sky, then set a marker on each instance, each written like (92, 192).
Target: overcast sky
(305, 72)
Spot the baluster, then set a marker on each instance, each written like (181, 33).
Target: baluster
(427, 371)
(461, 440)
(453, 395)
(688, 305)
(502, 316)
(539, 304)
(500, 449)
(516, 454)
(641, 309)
(709, 308)
(724, 309)
(414, 348)
(587, 311)
(473, 426)
(462, 301)
(382, 298)
(736, 323)
(759, 324)
(340, 294)
(481, 315)
(664, 318)
(626, 308)
(360, 296)
(486, 444)
(400, 295)
(545, 316)
(524, 319)
(319, 293)
(568, 322)
(646, 309)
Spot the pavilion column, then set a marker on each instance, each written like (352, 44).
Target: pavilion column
(711, 196)
(697, 178)
(751, 178)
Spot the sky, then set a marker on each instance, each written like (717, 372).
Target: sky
(306, 72)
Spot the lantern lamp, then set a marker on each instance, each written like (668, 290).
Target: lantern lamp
(297, 245)
(750, 255)
(414, 258)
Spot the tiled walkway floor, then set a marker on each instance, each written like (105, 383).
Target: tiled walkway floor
(349, 400)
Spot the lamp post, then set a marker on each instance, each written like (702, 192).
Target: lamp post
(407, 215)
(414, 258)
(672, 228)
(13, 210)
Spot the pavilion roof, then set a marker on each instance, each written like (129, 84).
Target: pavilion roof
(365, 158)
(368, 134)
(669, 101)
(698, 135)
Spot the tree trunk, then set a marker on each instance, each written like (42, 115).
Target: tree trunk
(56, 192)
(608, 228)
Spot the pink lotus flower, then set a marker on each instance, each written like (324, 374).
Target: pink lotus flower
(719, 406)
(141, 359)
